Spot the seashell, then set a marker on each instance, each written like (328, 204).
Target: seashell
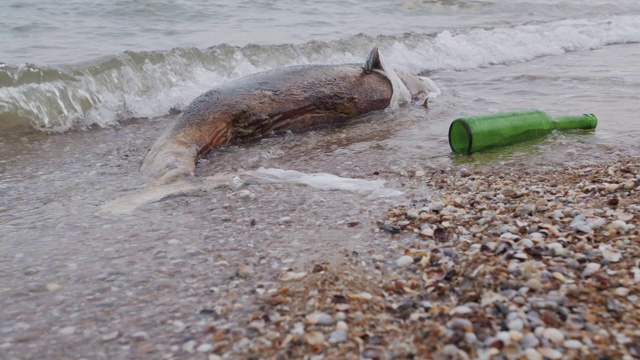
(460, 310)
(534, 284)
(412, 214)
(529, 340)
(320, 318)
(337, 336)
(516, 324)
(404, 261)
(556, 336)
(590, 269)
(515, 336)
(361, 296)
(621, 291)
(372, 353)
(460, 324)
(341, 325)
(558, 276)
(619, 226)
(512, 351)
(609, 253)
(532, 354)
(550, 353)
(625, 216)
(612, 304)
(526, 243)
(427, 232)
(509, 236)
(436, 206)
(572, 344)
(292, 276)
(314, 338)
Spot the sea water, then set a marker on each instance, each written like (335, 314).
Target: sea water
(67, 65)
(87, 86)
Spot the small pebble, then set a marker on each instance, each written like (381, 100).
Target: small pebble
(516, 325)
(141, 335)
(337, 336)
(572, 344)
(590, 269)
(541, 202)
(460, 310)
(529, 340)
(244, 270)
(189, 346)
(69, 330)
(619, 226)
(515, 336)
(413, 214)
(53, 287)
(404, 261)
(556, 336)
(436, 206)
(504, 337)
(534, 284)
(292, 276)
(110, 336)
(622, 291)
(532, 354)
(284, 220)
(320, 318)
(512, 352)
(550, 353)
(521, 256)
(610, 254)
(314, 338)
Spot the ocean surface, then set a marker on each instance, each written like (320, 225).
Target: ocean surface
(87, 86)
(79, 64)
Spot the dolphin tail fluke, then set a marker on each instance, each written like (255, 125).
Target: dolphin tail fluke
(169, 160)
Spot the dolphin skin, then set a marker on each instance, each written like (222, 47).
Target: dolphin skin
(290, 98)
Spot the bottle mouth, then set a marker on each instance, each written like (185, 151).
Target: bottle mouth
(460, 137)
(592, 121)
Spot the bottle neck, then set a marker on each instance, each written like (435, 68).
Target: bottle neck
(586, 121)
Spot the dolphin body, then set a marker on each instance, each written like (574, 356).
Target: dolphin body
(290, 98)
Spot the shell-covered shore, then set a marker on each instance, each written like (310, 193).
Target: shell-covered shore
(511, 264)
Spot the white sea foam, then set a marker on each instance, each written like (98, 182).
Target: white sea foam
(322, 181)
(326, 181)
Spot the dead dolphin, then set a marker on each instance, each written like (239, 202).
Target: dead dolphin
(289, 98)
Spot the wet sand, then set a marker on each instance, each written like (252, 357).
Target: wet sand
(79, 282)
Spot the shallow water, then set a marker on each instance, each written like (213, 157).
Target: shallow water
(75, 125)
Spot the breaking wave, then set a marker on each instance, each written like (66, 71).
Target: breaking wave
(153, 83)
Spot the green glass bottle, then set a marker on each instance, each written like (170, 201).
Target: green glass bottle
(471, 134)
